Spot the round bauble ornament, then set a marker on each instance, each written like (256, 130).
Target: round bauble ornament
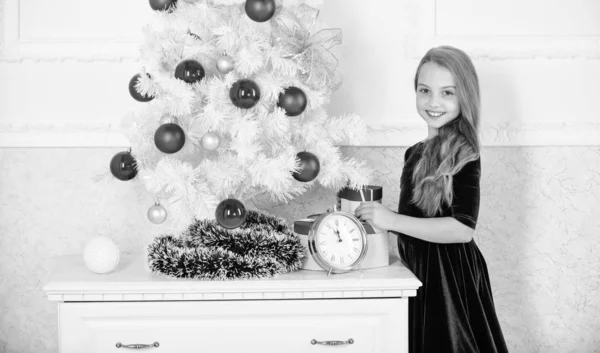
(210, 141)
(293, 100)
(189, 71)
(225, 64)
(260, 10)
(134, 92)
(230, 213)
(157, 214)
(122, 166)
(169, 138)
(162, 5)
(101, 254)
(309, 167)
(244, 94)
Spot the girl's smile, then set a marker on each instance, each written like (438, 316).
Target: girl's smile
(435, 114)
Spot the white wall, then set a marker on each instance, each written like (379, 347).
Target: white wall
(535, 67)
(64, 71)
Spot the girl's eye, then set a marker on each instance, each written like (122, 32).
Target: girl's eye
(423, 90)
(448, 93)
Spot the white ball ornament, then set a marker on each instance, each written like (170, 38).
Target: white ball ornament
(101, 254)
(225, 64)
(210, 141)
(157, 214)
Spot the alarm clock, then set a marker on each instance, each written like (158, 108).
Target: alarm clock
(337, 241)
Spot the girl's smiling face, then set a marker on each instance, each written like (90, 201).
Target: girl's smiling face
(437, 102)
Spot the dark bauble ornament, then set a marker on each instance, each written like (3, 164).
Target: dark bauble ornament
(169, 138)
(309, 167)
(225, 64)
(189, 71)
(244, 94)
(260, 10)
(134, 92)
(162, 5)
(230, 213)
(122, 166)
(293, 100)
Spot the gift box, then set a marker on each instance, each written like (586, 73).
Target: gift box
(349, 199)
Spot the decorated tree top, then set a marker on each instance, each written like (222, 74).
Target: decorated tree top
(235, 95)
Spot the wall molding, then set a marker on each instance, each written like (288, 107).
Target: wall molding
(15, 48)
(107, 133)
(496, 47)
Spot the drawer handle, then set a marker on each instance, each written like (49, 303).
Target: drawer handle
(332, 343)
(137, 346)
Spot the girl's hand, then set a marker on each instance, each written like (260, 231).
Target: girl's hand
(376, 215)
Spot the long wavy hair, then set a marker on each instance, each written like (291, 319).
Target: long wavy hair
(457, 142)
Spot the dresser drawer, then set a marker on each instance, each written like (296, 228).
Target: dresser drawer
(372, 325)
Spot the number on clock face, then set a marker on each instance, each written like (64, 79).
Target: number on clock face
(339, 241)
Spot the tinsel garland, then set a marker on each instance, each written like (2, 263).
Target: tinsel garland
(263, 247)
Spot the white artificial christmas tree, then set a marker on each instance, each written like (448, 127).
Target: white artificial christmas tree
(232, 103)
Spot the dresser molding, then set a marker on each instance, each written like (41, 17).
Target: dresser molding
(108, 133)
(70, 281)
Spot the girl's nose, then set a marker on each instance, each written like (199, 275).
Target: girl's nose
(434, 102)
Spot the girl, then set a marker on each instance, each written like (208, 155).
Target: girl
(437, 214)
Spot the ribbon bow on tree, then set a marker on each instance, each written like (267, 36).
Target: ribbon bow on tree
(318, 65)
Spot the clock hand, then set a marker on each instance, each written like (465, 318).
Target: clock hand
(337, 232)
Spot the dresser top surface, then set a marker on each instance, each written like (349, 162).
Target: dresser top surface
(71, 280)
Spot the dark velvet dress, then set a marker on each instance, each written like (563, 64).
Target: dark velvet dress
(454, 309)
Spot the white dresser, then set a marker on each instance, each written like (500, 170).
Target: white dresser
(131, 309)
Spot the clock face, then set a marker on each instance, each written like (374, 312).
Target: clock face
(339, 241)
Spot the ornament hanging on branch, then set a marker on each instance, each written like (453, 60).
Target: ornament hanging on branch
(162, 5)
(157, 214)
(134, 92)
(189, 71)
(210, 141)
(244, 94)
(230, 213)
(309, 167)
(169, 138)
(293, 100)
(260, 10)
(225, 64)
(122, 166)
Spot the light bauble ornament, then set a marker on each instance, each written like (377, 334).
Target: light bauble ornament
(293, 100)
(260, 10)
(210, 141)
(134, 92)
(230, 213)
(225, 64)
(162, 5)
(157, 214)
(122, 166)
(169, 138)
(309, 167)
(244, 94)
(101, 254)
(189, 71)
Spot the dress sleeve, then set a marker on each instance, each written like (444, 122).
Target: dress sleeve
(465, 203)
